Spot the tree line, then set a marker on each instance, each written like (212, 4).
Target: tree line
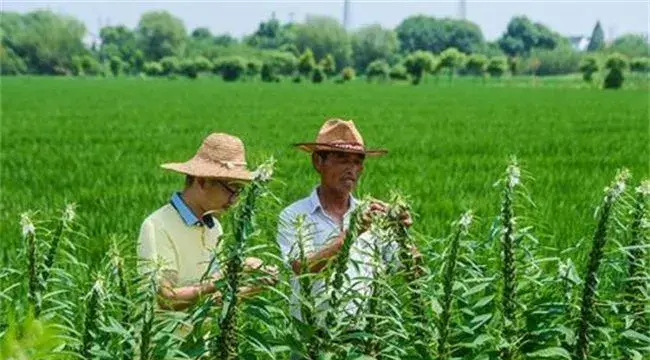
(46, 43)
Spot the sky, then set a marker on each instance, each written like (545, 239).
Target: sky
(239, 18)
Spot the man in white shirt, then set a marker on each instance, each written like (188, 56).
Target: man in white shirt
(338, 155)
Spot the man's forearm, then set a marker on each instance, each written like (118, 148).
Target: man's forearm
(183, 297)
(317, 261)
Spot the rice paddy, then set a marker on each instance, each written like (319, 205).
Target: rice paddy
(99, 143)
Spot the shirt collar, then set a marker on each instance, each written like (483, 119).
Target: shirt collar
(314, 202)
(186, 213)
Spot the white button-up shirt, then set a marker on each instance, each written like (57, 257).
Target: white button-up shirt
(319, 230)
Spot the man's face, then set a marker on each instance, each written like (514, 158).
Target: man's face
(339, 170)
(218, 194)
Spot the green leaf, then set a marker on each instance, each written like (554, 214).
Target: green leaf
(475, 289)
(482, 302)
(569, 335)
(480, 320)
(631, 334)
(552, 352)
(435, 306)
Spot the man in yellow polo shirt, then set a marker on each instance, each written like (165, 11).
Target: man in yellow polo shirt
(184, 232)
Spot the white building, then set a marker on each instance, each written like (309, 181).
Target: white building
(579, 43)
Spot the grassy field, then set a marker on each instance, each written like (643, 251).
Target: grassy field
(99, 143)
(482, 293)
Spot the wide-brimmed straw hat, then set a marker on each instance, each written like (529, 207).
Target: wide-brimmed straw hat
(220, 156)
(342, 136)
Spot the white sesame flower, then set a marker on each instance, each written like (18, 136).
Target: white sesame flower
(27, 225)
(514, 175)
(644, 188)
(70, 212)
(617, 188)
(645, 223)
(98, 287)
(264, 172)
(466, 219)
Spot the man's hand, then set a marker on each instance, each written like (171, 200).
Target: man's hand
(318, 260)
(376, 208)
(271, 277)
(405, 219)
(252, 264)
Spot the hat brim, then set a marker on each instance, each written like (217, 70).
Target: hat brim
(311, 147)
(207, 170)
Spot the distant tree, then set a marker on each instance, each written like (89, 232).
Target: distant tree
(451, 59)
(116, 65)
(202, 64)
(422, 32)
(371, 43)
(476, 64)
(616, 63)
(45, 42)
(253, 68)
(640, 64)
(230, 68)
(170, 65)
(324, 35)
(377, 69)
(267, 73)
(492, 49)
(202, 33)
(290, 48)
(118, 41)
(137, 61)
(318, 75)
(597, 42)
(188, 68)
(306, 62)
(90, 65)
(224, 40)
(328, 65)
(281, 63)
(497, 66)
(76, 66)
(271, 34)
(588, 67)
(160, 34)
(522, 36)
(152, 69)
(418, 64)
(514, 63)
(631, 45)
(398, 72)
(347, 74)
(560, 61)
(12, 64)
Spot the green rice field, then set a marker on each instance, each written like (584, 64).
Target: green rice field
(533, 294)
(99, 143)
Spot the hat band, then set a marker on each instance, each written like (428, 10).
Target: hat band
(229, 164)
(347, 146)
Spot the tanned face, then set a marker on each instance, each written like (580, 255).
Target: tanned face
(339, 170)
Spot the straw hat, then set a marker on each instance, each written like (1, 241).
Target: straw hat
(220, 156)
(342, 136)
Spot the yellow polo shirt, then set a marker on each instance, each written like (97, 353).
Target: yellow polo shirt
(185, 248)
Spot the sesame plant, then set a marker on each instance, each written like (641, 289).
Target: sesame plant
(502, 294)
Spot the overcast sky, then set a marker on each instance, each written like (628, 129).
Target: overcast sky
(242, 17)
